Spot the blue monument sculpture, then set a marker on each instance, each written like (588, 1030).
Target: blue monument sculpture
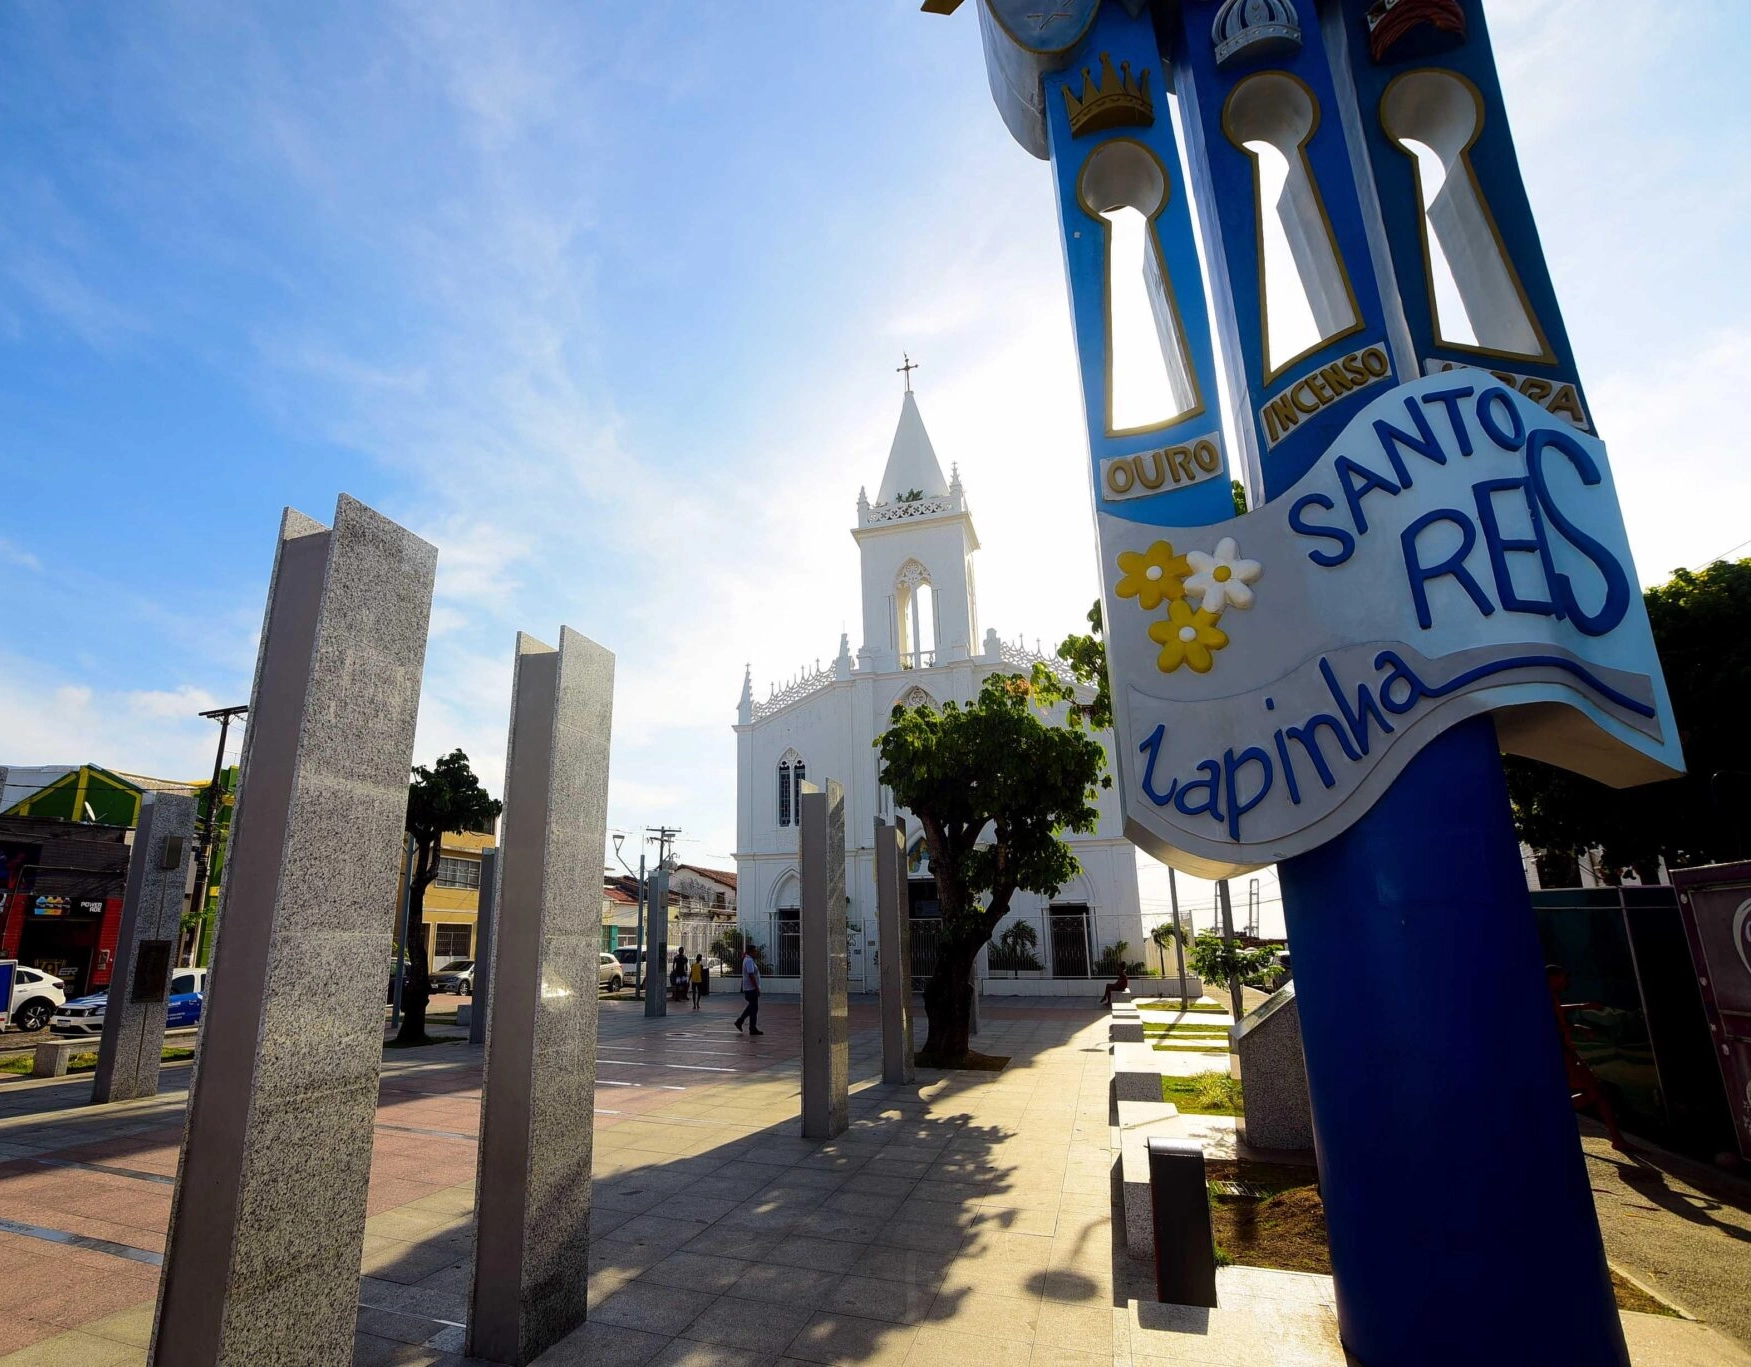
(1435, 571)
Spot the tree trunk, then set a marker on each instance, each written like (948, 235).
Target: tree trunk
(948, 1006)
(416, 981)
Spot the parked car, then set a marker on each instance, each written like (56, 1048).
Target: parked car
(458, 977)
(36, 996)
(610, 972)
(629, 957)
(84, 1015)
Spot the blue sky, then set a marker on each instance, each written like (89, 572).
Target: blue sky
(605, 301)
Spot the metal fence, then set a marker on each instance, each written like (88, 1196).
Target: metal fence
(1065, 942)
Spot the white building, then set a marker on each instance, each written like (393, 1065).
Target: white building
(921, 641)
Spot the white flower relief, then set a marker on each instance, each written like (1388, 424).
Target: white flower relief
(1221, 580)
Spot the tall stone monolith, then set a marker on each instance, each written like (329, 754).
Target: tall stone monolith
(483, 928)
(894, 946)
(537, 1114)
(268, 1218)
(139, 990)
(825, 966)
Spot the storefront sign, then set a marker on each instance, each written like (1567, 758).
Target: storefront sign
(1457, 550)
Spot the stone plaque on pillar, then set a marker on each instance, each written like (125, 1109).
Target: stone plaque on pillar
(894, 945)
(268, 1218)
(482, 999)
(537, 1115)
(826, 1010)
(152, 904)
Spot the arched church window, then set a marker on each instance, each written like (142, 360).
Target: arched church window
(1124, 185)
(790, 788)
(1305, 298)
(915, 603)
(1434, 117)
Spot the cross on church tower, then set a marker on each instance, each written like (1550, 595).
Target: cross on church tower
(908, 368)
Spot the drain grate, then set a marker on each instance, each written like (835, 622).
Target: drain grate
(1246, 1189)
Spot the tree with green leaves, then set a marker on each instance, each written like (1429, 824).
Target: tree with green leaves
(1086, 659)
(445, 797)
(993, 785)
(1702, 630)
(1216, 960)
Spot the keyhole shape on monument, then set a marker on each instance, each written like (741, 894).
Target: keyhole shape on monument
(1125, 186)
(1305, 299)
(1434, 118)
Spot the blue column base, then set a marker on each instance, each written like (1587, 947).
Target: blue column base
(1460, 1218)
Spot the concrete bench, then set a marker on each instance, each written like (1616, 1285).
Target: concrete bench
(1137, 1121)
(1136, 1072)
(52, 1056)
(1125, 1028)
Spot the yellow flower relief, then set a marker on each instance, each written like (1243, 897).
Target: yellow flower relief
(1186, 638)
(1153, 575)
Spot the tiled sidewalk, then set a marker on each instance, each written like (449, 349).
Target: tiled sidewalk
(963, 1220)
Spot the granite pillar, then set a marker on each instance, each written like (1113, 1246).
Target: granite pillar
(267, 1222)
(825, 967)
(482, 1000)
(530, 1282)
(1268, 1060)
(894, 946)
(656, 945)
(139, 990)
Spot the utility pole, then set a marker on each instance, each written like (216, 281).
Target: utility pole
(1179, 941)
(204, 851)
(656, 1001)
(1228, 942)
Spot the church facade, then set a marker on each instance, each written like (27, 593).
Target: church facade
(920, 643)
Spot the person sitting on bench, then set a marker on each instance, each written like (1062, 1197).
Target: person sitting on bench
(1122, 985)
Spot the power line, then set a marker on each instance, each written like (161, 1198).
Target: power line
(1722, 556)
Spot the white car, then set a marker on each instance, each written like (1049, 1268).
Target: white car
(35, 997)
(610, 973)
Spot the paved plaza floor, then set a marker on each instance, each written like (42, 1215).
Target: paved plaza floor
(966, 1219)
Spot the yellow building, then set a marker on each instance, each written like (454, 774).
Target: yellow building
(453, 901)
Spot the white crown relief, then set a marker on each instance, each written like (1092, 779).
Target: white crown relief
(1253, 29)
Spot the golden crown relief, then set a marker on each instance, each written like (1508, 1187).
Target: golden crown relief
(1119, 101)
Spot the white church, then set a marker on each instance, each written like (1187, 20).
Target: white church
(921, 643)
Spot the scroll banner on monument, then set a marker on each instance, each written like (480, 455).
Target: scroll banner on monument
(1457, 550)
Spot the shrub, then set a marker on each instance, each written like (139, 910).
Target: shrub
(727, 949)
(1013, 951)
(1112, 956)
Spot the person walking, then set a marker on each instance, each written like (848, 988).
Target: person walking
(696, 978)
(750, 994)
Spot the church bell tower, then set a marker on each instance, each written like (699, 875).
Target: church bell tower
(916, 541)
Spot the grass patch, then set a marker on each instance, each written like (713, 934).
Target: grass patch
(20, 1064)
(1199, 1031)
(1213, 1008)
(1211, 1093)
(1192, 1047)
(1632, 1297)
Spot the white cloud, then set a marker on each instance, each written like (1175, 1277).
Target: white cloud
(46, 719)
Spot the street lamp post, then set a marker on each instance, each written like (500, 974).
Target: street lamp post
(638, 941)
